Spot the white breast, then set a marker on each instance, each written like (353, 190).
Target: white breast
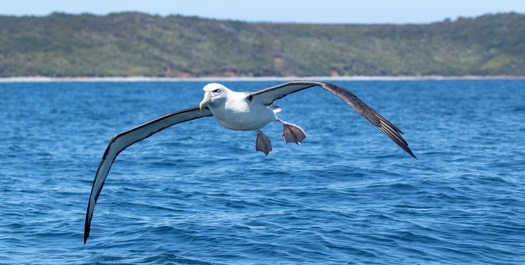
(239, 113)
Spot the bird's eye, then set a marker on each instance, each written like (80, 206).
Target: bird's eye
(215, 91)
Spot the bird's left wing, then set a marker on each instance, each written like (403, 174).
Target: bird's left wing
(124, 139)
(268, 95)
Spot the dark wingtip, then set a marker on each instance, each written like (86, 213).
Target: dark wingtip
(407, 149)
(87, 229)
(411, 154)
(86, 235)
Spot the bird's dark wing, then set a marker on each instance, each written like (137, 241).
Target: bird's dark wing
(269, 95)
(124, 139)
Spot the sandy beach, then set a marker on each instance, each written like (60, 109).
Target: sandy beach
(222, 78)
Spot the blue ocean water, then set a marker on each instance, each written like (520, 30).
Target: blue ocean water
(199, 194)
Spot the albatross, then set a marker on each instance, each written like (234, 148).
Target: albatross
(241, 111)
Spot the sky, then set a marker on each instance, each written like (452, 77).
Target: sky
(302, 11)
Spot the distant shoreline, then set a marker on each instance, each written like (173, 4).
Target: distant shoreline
(264, 78)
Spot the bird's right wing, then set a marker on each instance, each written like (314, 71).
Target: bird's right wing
(124, 139)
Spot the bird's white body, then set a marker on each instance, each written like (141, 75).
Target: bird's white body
(235, 111)
(241, 111)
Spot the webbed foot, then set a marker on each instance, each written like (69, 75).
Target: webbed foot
(292, 133)
(263, 143)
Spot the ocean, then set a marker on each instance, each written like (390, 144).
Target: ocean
(197, 193)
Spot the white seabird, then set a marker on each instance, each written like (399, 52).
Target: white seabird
(244, 111)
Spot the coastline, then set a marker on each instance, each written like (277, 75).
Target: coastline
(263, 78)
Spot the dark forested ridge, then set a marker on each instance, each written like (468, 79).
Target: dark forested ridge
(136, 44)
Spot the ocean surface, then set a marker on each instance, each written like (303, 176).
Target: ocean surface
(197, 193)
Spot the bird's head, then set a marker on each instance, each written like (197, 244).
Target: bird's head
(213, 93)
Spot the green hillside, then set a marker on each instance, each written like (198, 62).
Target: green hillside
(136, 44)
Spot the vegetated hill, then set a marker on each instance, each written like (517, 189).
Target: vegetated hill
(136, 44)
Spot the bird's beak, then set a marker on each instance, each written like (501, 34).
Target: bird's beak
(205, 100)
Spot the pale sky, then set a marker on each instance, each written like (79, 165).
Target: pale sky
(324, 11)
